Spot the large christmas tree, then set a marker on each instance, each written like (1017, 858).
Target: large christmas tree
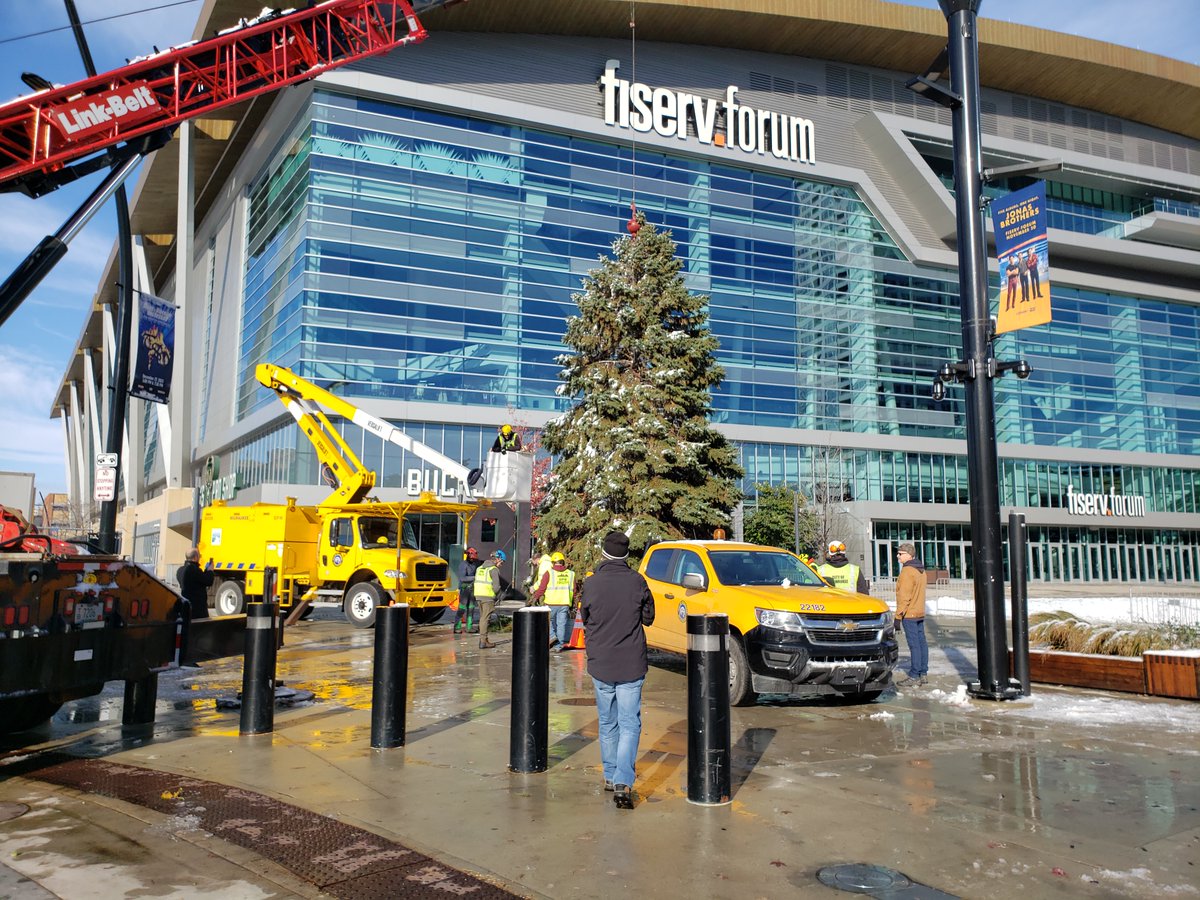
(636, 452)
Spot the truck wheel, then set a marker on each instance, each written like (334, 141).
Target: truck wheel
(23, 713)
(740, 692)
(361, 602)
(230, 598)
(426, 614)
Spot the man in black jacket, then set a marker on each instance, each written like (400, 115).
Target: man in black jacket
(616, 604)
(194, 583)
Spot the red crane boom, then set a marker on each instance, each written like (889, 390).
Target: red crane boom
(42, 134)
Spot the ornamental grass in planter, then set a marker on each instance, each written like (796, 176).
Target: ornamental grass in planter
(1062, 630)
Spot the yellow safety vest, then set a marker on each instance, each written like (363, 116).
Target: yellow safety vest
(483, 583)
(844, 577)
(560, 589)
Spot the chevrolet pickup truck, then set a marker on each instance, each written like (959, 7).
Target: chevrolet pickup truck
(789, 631)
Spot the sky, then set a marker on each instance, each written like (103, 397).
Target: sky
(38, 339)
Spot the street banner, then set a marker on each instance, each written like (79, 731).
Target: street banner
(1023, 252)
(155, 349)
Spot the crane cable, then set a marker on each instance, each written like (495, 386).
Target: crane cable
(633, 225)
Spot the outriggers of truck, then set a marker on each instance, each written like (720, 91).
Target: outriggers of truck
(349, 548)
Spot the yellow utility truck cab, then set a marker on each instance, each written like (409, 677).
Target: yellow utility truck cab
(361, 555)
(790, 632)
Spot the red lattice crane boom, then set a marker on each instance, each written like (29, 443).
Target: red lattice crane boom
(46, 138)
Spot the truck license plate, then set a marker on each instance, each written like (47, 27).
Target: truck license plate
(849, 674)
(88, 612)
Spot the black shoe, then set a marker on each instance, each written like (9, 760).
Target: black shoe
(475, 630)
(608, 785)
(457, 630)
(622, 796)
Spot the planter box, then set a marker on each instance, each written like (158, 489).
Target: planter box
(1108, 673)
(1173, 673)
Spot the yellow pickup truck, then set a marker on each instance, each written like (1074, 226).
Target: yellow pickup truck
(790, 632)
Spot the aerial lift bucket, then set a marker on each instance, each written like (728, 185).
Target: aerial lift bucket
(508, 476)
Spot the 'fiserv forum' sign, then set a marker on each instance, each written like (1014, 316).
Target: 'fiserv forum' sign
(1110, 504)
(722, 123)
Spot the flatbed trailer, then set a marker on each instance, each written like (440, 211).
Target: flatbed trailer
(70, 624)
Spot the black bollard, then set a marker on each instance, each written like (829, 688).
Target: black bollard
(389, 691)
(709, 780)
(268, 596)
(258, 670)
(529, 734)
(1019, 588)
(140, 697)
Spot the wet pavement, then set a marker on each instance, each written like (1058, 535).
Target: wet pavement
(1069, 793)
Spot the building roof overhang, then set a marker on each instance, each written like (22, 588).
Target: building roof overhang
(1107, 78)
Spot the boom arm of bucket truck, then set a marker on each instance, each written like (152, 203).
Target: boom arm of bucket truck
(505, 476)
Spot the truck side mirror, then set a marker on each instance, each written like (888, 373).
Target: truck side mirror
(695, 581)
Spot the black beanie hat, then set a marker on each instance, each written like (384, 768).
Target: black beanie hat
(616, 545)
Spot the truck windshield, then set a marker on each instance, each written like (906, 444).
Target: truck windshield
(761, 567)
(380, 531)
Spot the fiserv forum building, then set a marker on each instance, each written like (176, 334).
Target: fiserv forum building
(411, 229)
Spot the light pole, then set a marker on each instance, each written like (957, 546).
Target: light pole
(979, 366)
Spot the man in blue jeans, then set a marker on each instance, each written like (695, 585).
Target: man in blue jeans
(616, 605)
(910, 610)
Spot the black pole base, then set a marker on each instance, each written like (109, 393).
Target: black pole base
(1011, 692)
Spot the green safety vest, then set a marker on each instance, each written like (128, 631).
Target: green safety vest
(508, 442)
(483, 583)
(844, 577)
(560, 589)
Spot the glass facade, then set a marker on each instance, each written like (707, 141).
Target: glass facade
(899, 476)
(408, 254)
(1053, 553)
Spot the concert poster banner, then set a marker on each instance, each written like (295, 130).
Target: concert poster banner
(155, 349)
(1022, 250)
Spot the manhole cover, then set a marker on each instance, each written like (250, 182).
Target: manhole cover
(283, 697)
(861, 878)
(878, 881)
(10, 811)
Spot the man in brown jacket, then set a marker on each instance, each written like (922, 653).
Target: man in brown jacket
(910, 610)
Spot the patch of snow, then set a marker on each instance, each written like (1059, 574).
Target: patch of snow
(883, 714)
(1097, 610)
(1172, 717)
(959, 698)
(1143, 880)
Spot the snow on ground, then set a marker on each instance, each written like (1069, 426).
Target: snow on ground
(1097, 610)
(1171, 716)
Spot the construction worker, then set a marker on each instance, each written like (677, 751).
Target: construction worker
(464, 623)
(538, 578)
(487, 588)
(840, 572)
(557, 588)
(506, 440)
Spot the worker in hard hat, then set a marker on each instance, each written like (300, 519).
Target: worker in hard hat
(506, 440)
(557, 590)
(840, 572)
(487, 588)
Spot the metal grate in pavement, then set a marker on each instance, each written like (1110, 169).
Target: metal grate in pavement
(337, 858)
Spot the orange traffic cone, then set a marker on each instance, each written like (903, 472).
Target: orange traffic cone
(576, 642)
